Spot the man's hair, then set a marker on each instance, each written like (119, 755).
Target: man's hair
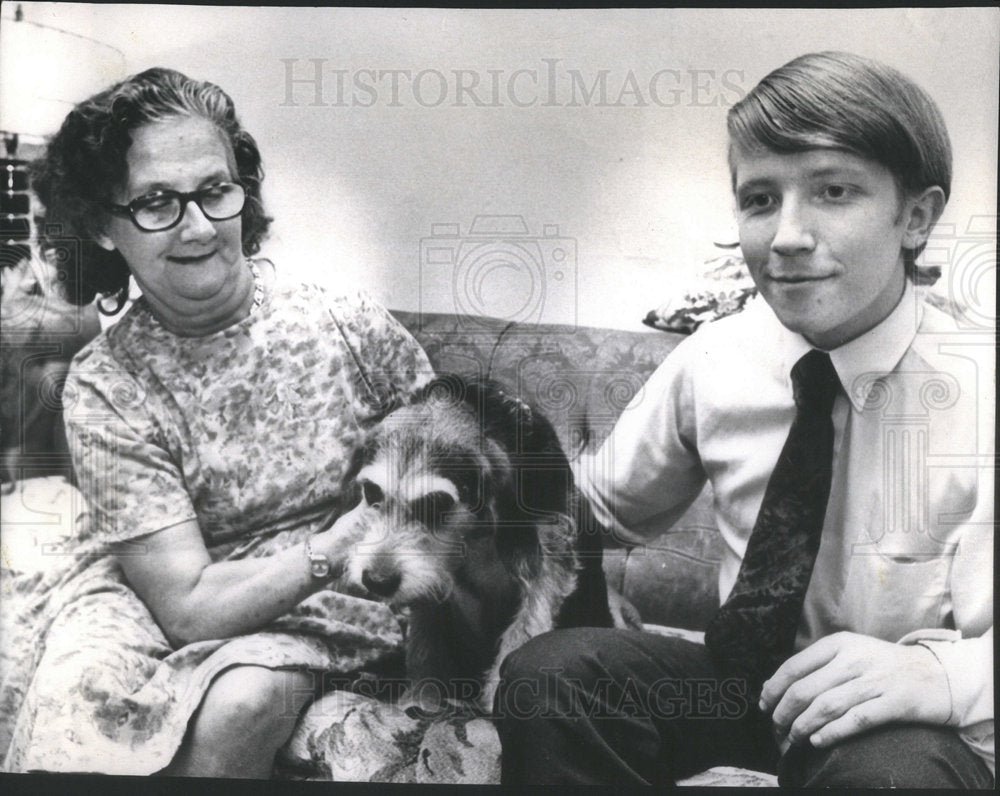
(842, 101)
(85, 162)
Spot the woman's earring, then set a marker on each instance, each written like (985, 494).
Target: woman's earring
(120, 297)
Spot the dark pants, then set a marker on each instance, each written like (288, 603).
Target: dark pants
(590, 705)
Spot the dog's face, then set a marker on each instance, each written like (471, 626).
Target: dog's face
(433, 491)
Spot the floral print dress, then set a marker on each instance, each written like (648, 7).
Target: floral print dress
(250, 431)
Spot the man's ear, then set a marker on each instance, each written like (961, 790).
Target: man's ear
(921, 214)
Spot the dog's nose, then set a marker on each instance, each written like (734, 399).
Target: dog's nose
(382, 584)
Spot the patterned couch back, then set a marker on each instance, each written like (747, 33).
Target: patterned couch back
(582, 378)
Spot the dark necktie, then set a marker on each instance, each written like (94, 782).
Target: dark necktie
(754, 630)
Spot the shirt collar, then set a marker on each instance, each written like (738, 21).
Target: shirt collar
(865, 359)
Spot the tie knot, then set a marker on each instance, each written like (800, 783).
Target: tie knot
(815, 382)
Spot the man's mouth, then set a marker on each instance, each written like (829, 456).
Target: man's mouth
(190, 259)
(794, 279)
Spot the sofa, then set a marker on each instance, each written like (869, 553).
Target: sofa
(581, 378)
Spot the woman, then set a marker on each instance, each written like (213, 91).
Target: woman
(211, 430)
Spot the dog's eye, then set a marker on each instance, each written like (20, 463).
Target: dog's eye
(431, 508)
(469, 484)
(372, 492)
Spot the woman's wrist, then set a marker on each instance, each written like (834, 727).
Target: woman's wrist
(322, 568)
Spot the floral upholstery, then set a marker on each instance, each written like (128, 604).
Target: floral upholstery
(724, 288)
(351, 737)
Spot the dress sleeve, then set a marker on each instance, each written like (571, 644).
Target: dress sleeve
(130, 482)
(391, 363)
(648, 471)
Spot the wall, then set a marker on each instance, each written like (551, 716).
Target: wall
(630, 188)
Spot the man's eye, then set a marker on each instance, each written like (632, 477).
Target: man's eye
(836, 192)
(757, 201)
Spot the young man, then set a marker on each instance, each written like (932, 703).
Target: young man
(846, 429)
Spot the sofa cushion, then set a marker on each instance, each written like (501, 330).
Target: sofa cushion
(352, 738)
(723, 288)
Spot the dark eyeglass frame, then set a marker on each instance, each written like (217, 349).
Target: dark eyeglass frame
(198, 197)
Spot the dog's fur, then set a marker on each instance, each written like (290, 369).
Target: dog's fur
(473, 525)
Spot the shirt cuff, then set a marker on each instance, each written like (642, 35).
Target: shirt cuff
(968, 665)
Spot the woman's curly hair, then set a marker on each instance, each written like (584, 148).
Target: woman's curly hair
(84, 164)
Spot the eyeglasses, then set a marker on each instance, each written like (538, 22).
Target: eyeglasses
(163, 210)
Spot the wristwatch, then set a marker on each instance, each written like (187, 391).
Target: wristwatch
(319, 565)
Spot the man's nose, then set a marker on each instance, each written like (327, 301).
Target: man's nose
(793, 234)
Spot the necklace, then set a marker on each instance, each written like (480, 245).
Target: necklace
(258, 286)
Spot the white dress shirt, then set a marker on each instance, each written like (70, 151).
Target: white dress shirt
(907, 548)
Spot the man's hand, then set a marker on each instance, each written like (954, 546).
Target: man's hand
(847, 683)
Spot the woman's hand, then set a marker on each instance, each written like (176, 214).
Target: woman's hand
(193, 599)
(338, 542)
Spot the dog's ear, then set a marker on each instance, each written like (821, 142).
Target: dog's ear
(545, 480)
(519, 549)
(541, 476)
(503, 416)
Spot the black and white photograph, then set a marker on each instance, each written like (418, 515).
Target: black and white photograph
(521, 397)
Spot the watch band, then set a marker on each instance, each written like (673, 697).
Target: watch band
(319, 565)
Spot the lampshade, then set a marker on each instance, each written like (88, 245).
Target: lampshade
(44, 71)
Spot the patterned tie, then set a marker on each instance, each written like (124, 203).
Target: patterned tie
(754, 631)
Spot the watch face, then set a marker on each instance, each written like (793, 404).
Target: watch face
(320, 565)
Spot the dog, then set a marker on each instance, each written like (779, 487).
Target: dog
(473, 527)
